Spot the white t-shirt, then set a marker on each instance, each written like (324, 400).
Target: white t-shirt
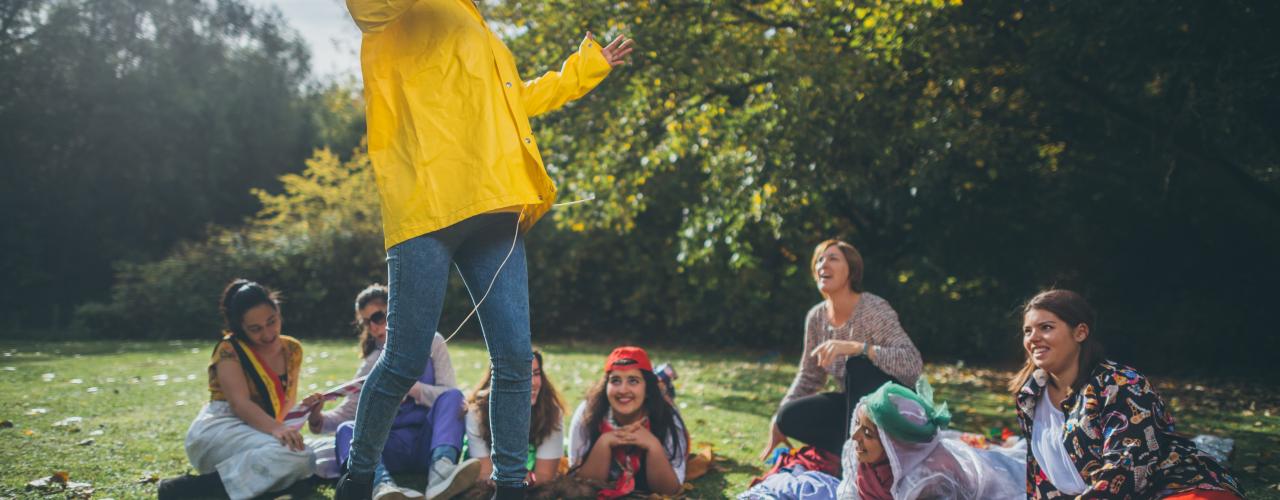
(1051, 452)
(551, 448)
(580, 445)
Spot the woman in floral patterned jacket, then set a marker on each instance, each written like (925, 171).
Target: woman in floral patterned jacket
(1102, 431)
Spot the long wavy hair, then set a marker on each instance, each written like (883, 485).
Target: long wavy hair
(662, 416)
(371, 293)
(546, 415)
(1073, 310)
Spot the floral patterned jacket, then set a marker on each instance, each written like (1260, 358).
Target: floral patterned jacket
(1120, 437)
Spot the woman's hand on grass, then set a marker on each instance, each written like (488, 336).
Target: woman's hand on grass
(775, 438)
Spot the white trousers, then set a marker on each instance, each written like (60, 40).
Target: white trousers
(249, 461)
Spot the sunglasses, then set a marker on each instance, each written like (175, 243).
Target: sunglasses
(379, 317)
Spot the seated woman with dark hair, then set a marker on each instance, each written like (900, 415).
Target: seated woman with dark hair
(546, 427)
(239, 442)
(1096, 428)
(426, 434)
(627, 434)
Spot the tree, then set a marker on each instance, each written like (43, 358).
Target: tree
(974, 152)
(129, 125)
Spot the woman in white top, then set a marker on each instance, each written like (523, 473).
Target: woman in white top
(626, 433)
(546, 427)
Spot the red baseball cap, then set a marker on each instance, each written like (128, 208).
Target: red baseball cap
(630, 357)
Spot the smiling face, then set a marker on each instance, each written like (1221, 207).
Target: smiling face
(866, 440)
(261, 324)
(831, 271)
(1051, 344)
(625, 389)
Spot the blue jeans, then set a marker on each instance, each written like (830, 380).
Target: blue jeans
(418, 272)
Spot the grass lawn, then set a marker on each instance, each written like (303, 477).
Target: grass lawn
(135, 400)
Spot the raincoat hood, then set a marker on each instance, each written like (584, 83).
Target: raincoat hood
(927, 460)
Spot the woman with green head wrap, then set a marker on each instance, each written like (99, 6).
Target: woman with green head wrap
(899, 449)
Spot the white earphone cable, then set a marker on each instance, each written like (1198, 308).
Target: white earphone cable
(514, 240)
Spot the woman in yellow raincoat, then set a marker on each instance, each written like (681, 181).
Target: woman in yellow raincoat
(460, 178)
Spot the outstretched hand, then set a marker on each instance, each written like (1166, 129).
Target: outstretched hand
(617, 51)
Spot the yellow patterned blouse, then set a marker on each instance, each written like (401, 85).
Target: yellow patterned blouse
(288, 379)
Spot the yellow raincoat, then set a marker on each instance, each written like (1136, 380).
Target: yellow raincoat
(448, 114)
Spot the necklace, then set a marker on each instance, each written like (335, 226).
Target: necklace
(831, 326)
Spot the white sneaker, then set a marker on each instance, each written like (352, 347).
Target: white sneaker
(389, 491)
(446, 479)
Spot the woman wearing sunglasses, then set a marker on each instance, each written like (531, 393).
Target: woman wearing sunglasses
(426, 435)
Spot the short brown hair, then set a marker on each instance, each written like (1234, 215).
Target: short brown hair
(851, 254)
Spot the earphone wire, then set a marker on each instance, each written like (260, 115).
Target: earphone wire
(514, 239)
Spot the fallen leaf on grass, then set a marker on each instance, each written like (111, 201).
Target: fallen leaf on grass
(149, 478)
(61, 481)
(86, 442)
(48, 377)
(700, 461)
(57, 479)
(28, 433)
(68, 422)
(37, 411)
(98, 432)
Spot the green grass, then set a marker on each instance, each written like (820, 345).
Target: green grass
(137, 398)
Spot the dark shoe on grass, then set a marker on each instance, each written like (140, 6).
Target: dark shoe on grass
(352, 488)
(188, 486)
(509, 493)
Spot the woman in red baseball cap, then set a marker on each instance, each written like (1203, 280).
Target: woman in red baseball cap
(626, 434)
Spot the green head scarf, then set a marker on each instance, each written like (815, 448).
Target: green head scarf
(905, 415)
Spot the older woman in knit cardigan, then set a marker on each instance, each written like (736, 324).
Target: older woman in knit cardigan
(853, 336)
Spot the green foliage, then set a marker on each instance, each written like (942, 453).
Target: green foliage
(318, 241)
(128, 125)
(975, 153)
